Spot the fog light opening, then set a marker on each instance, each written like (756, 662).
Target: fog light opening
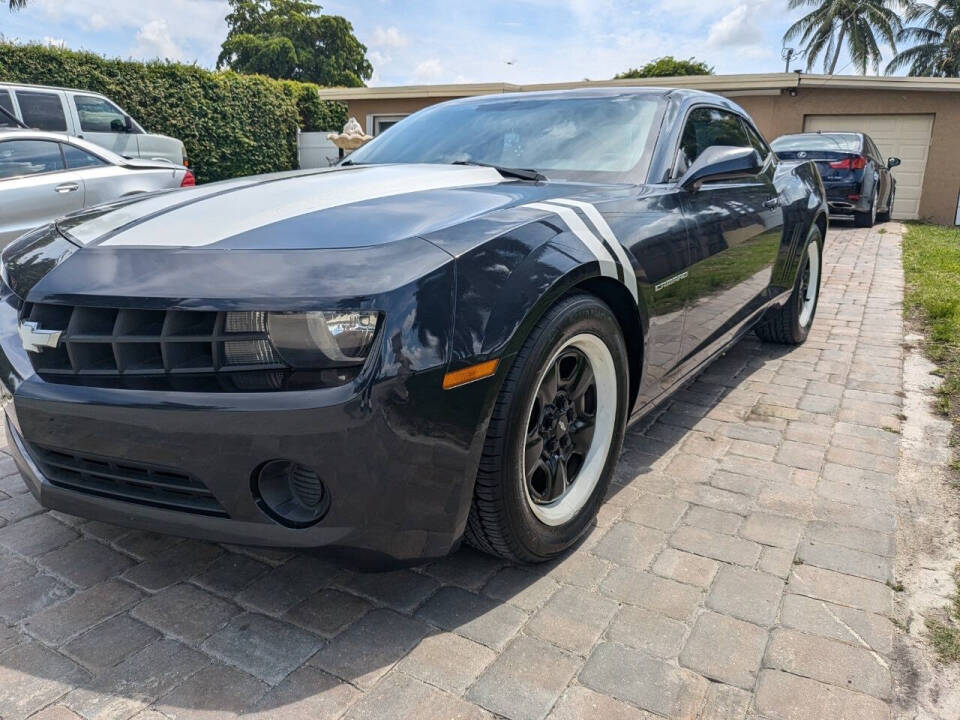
(290, 493)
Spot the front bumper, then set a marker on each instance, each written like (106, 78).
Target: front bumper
(397, 456)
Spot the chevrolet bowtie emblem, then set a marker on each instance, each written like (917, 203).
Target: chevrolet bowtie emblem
(34, 338)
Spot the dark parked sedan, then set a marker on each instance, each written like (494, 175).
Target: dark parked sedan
(857, 178)
(444, 338)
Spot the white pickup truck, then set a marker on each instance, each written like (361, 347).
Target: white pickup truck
(86, 115)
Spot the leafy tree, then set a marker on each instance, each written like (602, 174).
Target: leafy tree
(292, 40)
(935, 39)
(858, 22)
(667, 66)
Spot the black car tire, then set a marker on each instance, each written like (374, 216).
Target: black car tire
(885, 215)
(790, 324)
(504, 519)
(869, 218)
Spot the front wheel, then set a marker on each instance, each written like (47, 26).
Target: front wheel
(790, 324)
(555, 435)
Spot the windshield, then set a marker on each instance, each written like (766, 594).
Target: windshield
(835, 142)
(601, 139)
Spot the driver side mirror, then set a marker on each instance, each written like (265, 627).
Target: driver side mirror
(892, 163)
(721, 162)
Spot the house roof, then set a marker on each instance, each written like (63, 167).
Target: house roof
(739, 84)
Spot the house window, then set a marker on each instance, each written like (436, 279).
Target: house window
(377, 124)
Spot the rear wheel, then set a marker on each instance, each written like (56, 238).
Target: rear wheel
(869, 218)
(885, 215)
(791, 324)
(555, 435)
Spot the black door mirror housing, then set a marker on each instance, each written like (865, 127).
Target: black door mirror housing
(893, 162)
(721, 162)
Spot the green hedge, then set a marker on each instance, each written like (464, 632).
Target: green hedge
(231, 124)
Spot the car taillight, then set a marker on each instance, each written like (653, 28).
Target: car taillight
(189, 180)
(855, 163)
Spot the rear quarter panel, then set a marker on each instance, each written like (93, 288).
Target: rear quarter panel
(803, 200)
(107, 183)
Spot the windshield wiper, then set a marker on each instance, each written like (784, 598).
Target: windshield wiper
(521, 173)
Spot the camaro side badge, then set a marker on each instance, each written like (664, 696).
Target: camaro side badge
(671, 281)
(35, 338)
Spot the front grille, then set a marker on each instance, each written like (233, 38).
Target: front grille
(112, 342)
(130, 482)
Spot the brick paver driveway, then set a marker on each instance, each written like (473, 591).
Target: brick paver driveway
(740, 568)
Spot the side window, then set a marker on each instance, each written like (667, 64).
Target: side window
(77, 158)
(875, 151)
(705, 128)
(42, 110)
(757, 141)
(29, 157)
(6, 102)
(98, 115)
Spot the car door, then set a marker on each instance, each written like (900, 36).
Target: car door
(735, 231)
(102, 181)
(35, 186)
(103, 123)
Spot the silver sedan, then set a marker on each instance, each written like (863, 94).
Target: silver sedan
(46, 175)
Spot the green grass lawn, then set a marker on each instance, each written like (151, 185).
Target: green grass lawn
(931, 261)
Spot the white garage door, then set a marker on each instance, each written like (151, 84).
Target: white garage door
(904, 136)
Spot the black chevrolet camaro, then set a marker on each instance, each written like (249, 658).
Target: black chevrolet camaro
(442, 339)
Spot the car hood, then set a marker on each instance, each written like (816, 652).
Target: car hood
(274, 240)
(339, 208)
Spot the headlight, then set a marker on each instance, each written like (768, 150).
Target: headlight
(328, 338)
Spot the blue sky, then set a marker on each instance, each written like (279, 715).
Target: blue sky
(446, 41)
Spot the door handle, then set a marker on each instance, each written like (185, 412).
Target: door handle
(772, 203)
(66, 188)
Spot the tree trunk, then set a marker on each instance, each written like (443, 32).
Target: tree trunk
(836, 55)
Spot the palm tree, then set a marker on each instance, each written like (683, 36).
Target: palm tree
(858, 22)
(936, 40)
(17, 4)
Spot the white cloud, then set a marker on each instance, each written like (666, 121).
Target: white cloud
(380, 62)
(96, 22)
(735, 29)
(179, 29)
(389, 37)
(55, 42)
(155, 41)
(431, 69)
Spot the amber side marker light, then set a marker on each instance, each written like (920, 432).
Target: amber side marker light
(470, 374)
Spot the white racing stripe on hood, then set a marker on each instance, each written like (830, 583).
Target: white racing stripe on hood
(217, 218)
(90, 230)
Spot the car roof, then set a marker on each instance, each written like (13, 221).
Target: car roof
(25, 134)
(601, 92)
(824, 132)
(48, 87)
